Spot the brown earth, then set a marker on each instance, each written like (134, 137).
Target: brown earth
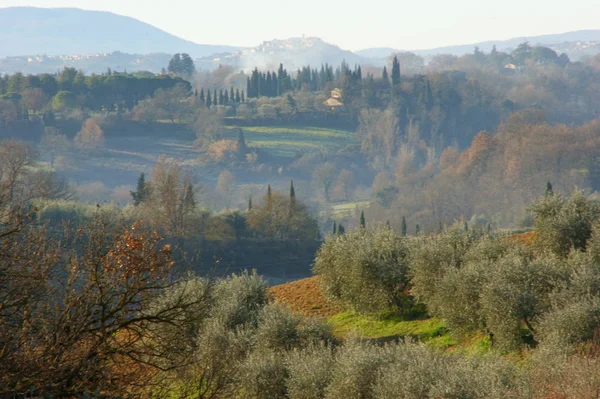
(526, 239)
(305, 297)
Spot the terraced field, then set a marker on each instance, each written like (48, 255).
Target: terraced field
(287, 142)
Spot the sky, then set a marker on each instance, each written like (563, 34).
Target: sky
(397, 24)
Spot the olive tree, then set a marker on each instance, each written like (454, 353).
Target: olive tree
(367, 269)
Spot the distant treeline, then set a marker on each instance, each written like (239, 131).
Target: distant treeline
(71, 89)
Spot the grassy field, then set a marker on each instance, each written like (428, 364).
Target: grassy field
(347, 209)
(286, 141)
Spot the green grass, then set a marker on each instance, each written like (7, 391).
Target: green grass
(431, 331)
(286, 141)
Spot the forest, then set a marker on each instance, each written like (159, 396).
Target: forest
(443, 218)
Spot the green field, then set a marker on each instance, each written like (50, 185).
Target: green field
(287, 141)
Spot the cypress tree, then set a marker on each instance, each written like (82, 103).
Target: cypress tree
(237, 96)
(549, 190)
(142, 191)
(226, 97)
(403, 227)
(341, 229)
(231, 95)
(384, 77)
(489, 228)
(189, 201)
(417, 230)
(221, 97)
(248, 86)
(242, 98)
(334, 228)
(250, 203)
(363, 224)
(292, 198)
(388, 225)
(395, 71)
(208, 100)
(466, 226)
(215, 97)
(269, 204)
(202, 99)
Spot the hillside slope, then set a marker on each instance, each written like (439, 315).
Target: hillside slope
(294, 53)
(66, 31)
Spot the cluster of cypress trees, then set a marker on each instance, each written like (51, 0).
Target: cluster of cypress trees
(223, 97)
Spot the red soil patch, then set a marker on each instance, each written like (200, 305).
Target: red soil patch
(305, 297)
(526, 239)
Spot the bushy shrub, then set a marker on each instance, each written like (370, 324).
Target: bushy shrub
(367, 269)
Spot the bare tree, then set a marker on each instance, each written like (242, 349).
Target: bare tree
(53, 144)
(90, 136)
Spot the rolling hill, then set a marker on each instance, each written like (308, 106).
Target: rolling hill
(576, 44)
(69, 31)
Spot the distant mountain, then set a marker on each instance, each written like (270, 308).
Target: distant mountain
(576, 44)
(69, 31)
(293, 53)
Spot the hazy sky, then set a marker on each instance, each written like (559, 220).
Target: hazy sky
(376, 23)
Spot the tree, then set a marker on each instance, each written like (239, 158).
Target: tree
(384, 77)
(362, 220)
(64, 100)
(563, 224)
(142, 192)
(90, 136)
(403, 227)
(172, 103)
(367, 269)
(347, 184)
(395, 72)
(8, 112)
(34, 99)
(273, 220)
(170, 202)
(182, 65)
(323, 177)
(292, 198)
(84, 341)
(208, 126)
(226, 186)
(549, 190)
(53, 144)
